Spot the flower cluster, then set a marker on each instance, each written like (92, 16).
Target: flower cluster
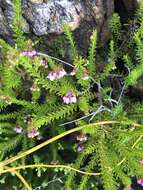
(57, 74)
(31, 53)
(69, 98)
(43, 63)
(34, 133)
(30, 134)
(81, 138)
(127, 187)
(140, 181)
(141, 162)
(18, 129)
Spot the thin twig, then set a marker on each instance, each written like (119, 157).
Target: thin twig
(99, 110)
(59, 60)
(136, 142)
(73, 121)
(122, 91)
(51, 181)
(49, 166)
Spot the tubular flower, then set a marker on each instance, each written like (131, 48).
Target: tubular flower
(57, 74)
(81, 138)
(43, 63)
(127, 187)
(33, 133)
(18, 129)
(52, 75)
(31, 53)
(69, 98)
(60, 73)
(140, 181)
(141, 162)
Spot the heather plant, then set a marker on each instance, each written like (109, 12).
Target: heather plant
(43, 99)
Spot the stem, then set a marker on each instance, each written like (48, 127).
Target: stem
(12, 170)
(49, 56)
(50, 166)
(30, 151)
(136, 142)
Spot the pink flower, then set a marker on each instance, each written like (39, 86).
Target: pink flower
(69, 98)
(33, 133)
(66, 100)
(61, 73)
(141, 162)
(140, 181)
(127, 187)
(81, 138)
(29, 53)
(43, 62)
(52, 75)
(57, 74)
(18, 129)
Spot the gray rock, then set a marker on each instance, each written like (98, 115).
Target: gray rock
(48, 16)
(44, 17)
(4, 27)
(7, 11)
(7, 7)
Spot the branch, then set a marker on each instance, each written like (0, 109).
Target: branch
(49, 166)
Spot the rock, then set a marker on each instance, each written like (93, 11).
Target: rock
(36, 1)
(4, 28)
(96, 16)
(49, 17)
(7, 13)
(126, 8)
(44, 17)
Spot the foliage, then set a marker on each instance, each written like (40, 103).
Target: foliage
(40, 98)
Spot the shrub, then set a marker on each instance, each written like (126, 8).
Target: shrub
(39, 99)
